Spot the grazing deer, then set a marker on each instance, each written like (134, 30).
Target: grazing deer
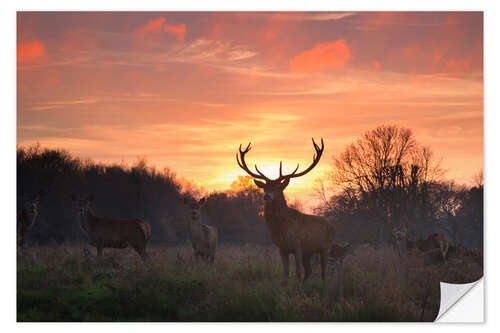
(106, 232)
(27, 215)
(292, 231)
(433, 241)
(337, 255)
(203, 237)
(339, 252)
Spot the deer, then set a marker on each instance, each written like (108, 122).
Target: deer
(107, 232)
(337, 256)
(339, 252)
(433, 241)
(27, 215)
(203, 237)
(293, 232)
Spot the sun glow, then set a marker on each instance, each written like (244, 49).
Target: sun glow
(185, 97)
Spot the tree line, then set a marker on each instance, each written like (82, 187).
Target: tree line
(387, 179)
(382, 180)
(125, 191)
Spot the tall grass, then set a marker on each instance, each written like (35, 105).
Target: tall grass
(245, 284)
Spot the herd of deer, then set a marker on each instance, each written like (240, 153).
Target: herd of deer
(293, 232)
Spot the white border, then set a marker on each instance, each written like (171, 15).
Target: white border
(469, 307)
(492, 84)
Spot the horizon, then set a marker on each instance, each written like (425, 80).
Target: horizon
(186, 89)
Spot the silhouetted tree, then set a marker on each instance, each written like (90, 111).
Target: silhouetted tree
(384, 176)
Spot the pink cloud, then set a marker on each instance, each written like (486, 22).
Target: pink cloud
(153, 26)
(376, 64)
(323, 56)
(31, 52)
(178, 30)
(457, 65)
(159, 26)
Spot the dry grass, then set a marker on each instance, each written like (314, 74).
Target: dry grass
(245, 284)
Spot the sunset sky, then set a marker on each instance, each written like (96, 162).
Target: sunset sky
(185, 89)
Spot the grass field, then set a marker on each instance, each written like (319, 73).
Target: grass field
(61, 284)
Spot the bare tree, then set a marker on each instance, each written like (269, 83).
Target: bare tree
(478, 179)
(387, 172)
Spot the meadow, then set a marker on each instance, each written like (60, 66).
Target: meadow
(62, 283)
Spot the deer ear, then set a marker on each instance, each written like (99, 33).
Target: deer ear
(202, 201)
(258, 183)
(91, 197)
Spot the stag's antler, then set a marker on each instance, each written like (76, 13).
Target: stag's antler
(316, 158)
(244, 166)
(260, 175)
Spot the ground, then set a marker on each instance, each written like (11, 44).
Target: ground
(61, 283)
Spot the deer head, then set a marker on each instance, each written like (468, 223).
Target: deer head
(82, 205)
(31, 204)
(193, 207)
(273, 188)
(400, 233)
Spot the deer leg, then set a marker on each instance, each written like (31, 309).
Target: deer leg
(24, 234)
(196, 255)
(21, 241)
(324, 262)
(443, 245)
(99, 248)
(298, 263)
(206, 257)
(212, 257)
(145, 257)
(141, 251)
(284, 260)
(341, 278)
(306, 261)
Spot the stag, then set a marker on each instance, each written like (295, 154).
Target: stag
(107, 232)
(27, 215)
(432, 242)
(293, 232)
(203, 237)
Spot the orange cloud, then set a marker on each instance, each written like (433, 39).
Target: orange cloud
(323, 56)
(276, 28)
(376, 65)
(153, 26)
(269, 35)
(31, 52)
(457, 65)
(177, 30)
(158, 26)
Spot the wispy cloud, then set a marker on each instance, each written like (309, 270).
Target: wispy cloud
(315, 16)
(41, 106)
